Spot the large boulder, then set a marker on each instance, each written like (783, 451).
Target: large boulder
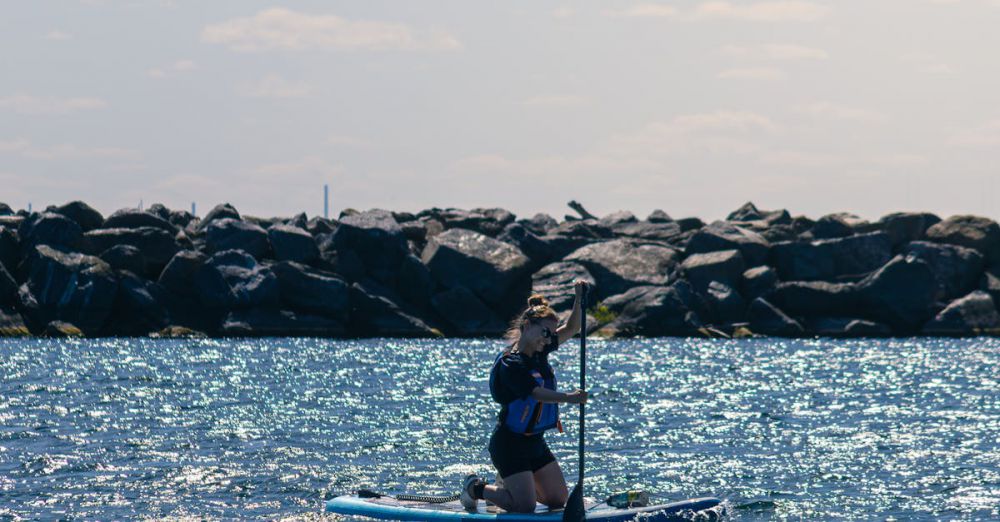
(220, 211)
(416, 284)
(652, 311)
(156, 245)
(529, 243)
(82, 213)
(293, 244)
(374, 314)
(125, 257)
(726, 304)
(8, 288)
(68, 287)
(990, 283)
(139, 308)
(232, 279)
(486, 221)
(178, 276)
(724, 266)
(12, 324)
(135, 218)
(555, 282)
(767, 319)
(307, 290)
(900, 294)
(493, 270)
(982, 234)
(539, 224)
(50, 229)
(841, 224)
(648, 230)
(620, 264)
(265, 322)
(750, 213)
(814, 298)
(757, 281)
(377, 241)
(726, 236)
(973, 314)
(828, 259)
(956, 269)
(466, 314)
(903, 227)
(230, 234)
(10, 249)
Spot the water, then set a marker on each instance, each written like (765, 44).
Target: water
(902, 429)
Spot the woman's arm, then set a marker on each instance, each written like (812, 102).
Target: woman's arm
(572, 326)
(546, 395)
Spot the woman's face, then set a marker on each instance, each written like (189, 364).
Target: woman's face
(537, 334)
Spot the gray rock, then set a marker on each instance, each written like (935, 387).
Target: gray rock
(726, 304)
(652, 311)
(990, 283)
(220, 211)
(724, 266)
(12, 324)
(690, 223)
(232, 279)
(659, 216)
(179, 274)
(837, 225)
(814, 298)
(649, 230)
(982, 234)
(766, 319)
(749, 212)
(304, 289)
(8, 288)
(903, 227)
(537, 249)
(50, 229)
(139, 308)
(81, 213)
(262, 322)
(61, 330)
(900, 294)
(292, 244)
(10, 248)
(757, 281)
(555, 282)
(67, 287)
(135, 218)
(973, 314)
(831, 258)
(125, 257)
(956, 269)
(620, 217)
(376, 314)
(491, 269)
(156, 245)
(416, 284)
(376, 239)
(230, 234)
(848, 327)
(466, 314)
(539, 224)
(726, 236)
(620, 264)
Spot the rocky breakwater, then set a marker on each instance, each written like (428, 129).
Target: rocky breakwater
(71, 271)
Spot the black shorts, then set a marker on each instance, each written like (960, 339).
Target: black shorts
(513, 453)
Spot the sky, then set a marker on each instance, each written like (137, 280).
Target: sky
(692, 107)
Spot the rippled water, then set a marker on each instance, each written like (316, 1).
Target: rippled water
(805, 429)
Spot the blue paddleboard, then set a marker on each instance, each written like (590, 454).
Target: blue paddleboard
(392, 509)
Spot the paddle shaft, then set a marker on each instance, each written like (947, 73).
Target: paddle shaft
(583, 377)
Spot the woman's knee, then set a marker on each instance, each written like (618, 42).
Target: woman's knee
(523, 504)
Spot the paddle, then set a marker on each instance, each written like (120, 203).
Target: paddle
(575, 511)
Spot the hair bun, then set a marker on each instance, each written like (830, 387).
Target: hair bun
(537, 300)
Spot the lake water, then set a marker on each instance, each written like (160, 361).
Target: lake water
(903, 429)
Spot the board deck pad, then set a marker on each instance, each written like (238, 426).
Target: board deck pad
(388, 508)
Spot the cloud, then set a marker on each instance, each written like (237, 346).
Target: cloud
(752, 73)
(274, 86)
(647, 10)
(566, 100)
(832, 111)
(38, 105)
(342, 140)
(790, 11)
(280, 28)
(986, 135)
(927, 63)
(563, 12)
(179, 66)
(775, 52)
(56, 34)
(25, 148)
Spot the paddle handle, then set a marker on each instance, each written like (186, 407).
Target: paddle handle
(583, 377)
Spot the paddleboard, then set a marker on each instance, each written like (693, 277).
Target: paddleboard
(389, 508)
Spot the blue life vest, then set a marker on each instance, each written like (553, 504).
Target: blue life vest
(527, 416)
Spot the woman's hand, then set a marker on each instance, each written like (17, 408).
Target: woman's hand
(576, 397)
(580, 285)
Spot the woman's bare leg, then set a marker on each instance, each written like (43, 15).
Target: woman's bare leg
(550, 486)
(517, 494)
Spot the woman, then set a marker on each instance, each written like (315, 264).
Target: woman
(522, 381)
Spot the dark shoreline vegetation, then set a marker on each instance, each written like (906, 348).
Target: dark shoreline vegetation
(69, 271)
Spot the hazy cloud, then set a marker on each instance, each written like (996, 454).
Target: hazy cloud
(39, 105)
(280, 28)
(832, 111)
(274, 86)
(790, 11)
(177, 67)
(752, 73)
(775, 52)
(566, 100)
(648, 10)
(986, 135)
(25, 148)
(56, 34)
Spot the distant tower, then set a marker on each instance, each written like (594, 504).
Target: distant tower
(193, 213)
(326, 201)
(140, 205)
(29, 207)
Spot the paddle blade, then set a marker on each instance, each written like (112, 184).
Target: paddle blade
(575, 511)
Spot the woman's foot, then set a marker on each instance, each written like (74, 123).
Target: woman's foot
(468, 496)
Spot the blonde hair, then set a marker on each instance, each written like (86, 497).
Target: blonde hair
(537, 310)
